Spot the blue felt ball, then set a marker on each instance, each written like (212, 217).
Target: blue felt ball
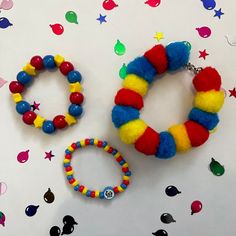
(75, 110)
(22, 107)
(206, 119)
(74, 76)
(48, 127)
(143, 68)
(23, 77)
(167, 147)
(177, 55)
(123, 114)
(48, 62)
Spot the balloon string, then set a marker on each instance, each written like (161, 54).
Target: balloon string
(231, 44)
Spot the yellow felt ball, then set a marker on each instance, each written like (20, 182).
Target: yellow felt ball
(181, 138)
(210, 101)
(136, 83)
(132, 130)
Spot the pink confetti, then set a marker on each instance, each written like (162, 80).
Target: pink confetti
(109, 5)
(153, 3)
(57, 29)
(23, 156)
(2, 82)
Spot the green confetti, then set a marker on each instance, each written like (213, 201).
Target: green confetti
(216, 168)
(71, 17)
(119, 48)
(122, 72)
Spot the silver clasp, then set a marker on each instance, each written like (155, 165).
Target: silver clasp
(193, 68)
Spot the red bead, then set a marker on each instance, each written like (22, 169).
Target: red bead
(68, 156)
(119, 159)
(69, 168)
(71, 181)
(110, 150)
(125, 169)
(115, 189)
(87, 141)
(81, 188)
(76, 98)
(16, 87)
(37, 62)
(59, 122)
(100, 143)
(92, 194)
(74, 146)
(29, 117)
(126, 182)
(66, 67)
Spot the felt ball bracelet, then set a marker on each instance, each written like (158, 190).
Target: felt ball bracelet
(202, 119)
(24, 78)
(108, 192)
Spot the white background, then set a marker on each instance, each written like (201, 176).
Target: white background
(89, 46)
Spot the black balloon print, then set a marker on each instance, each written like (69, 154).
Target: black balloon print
(49, 196)
(69, 220)
(67, 229)
(172, 191)
(167, 218)
(160, 232)
(55, 231)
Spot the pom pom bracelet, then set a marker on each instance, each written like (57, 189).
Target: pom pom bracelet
(108, 192)
(202, 119)
(24, 77)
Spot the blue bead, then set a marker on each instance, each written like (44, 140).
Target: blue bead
(48, 127)
(91, 141)
(114, 152)
(74, 76)
(23, 77)
(22, 107)
(48, 62)
(78, 144)
(76, 188)
(66, 164)
(167, 147)
(143, 68)
(206, 119)
(75, 110)
(101, 195)
(122, 162)
(67, 151)
(69, 177)
(123, 114)
(104, 144)
(88, 193)
(128, 173)
(123, 186)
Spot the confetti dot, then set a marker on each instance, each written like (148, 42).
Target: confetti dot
(31, 210)
(167, 218)
(49, 196)
(55, 231)
(209, 4)
(4, 23)
(57, 29)
(160, 232)
(216, 168)
(119, 48)
(109, 5)
(153, 3)
(172, 191)
(6, 4)
(122, 72)
(71, 17)
(204, 31)
(23, 156)
(196, 207)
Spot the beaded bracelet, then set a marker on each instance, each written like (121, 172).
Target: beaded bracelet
(24, 77)
(108, 192)
(202, 119)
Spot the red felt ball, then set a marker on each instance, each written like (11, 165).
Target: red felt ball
(37, 62)
(66, 67)
(59, 122)
(157, 57)
(148, 142)
(29, 117)
(197, 133)
(128, 97)
(76, 98)
(16, 87)
(207, 79)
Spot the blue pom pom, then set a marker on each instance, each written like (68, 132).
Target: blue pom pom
(206, 119)
(48, 62)
(167, 147)
(22, 107)
(143, 68)
(23, 77)
(177, 55)
(74, 76)
(88, 193)
(104, 144)
(75, 110)
(48, 127)
(123, 114)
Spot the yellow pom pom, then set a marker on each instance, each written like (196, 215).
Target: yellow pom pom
(70, 173)
(82, 143)
(136, 83)
(58, 60)
(117, 155)
(75, 183)
(181, 138)
(17, 97)
(125, 177)
(132, 130)
(71, 149)
(210, 101)
(85, 190)
(97, 192)
(120, 189)
(125, 165)
(29, 69)
(75, 87)
(106, 148)
(66, 161)
(95, 141)
(70, 119)
(38, 122)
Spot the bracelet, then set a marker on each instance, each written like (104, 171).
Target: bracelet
(24, 77)
(108, 192)
(202, 119)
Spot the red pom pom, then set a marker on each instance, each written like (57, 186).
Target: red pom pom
(37, 62)
(16, 87)
(128, 97)
(207, 79)
(157, 57)
(76, 98)
(197, 133)
(29, 117)
(66, 67)
(148, 142)
(92, 194)
(59, 122)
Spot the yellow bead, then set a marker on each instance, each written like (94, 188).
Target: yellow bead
(71, 172)
(66, 161)
(181, 138)
(75, 183)
(82, 143)
(106, 148)
(58, 60)
(210, 101)
(97, 193)
(117, 155)
(125, 177)
(17, 97)
(125, 165)
(120, 189)
(38, 122)
(75, 87)
(70, 119)
(136, 83)
(85, 190)
(95, 141)
(29, 69)
(71, 149)
(131, 131)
